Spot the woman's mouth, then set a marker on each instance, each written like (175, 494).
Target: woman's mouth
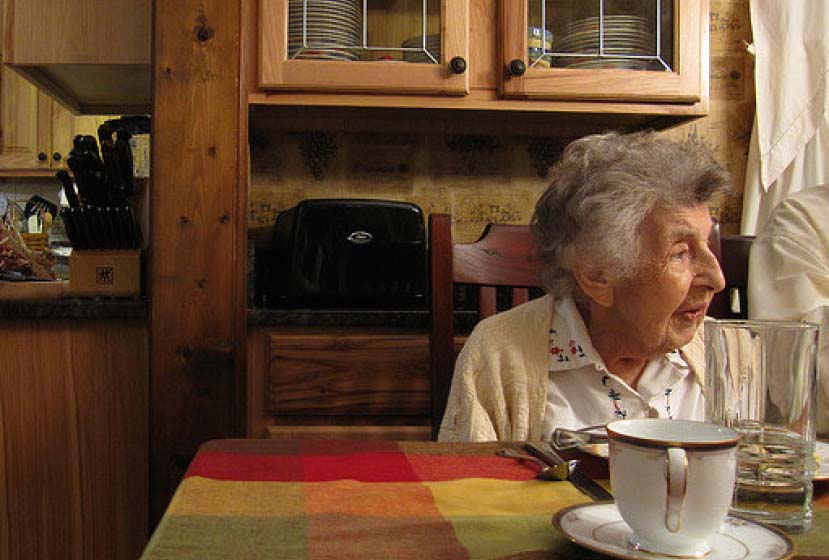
(693, 313)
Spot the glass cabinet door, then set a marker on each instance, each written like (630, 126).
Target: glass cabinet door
(379, 46)
(604, 50)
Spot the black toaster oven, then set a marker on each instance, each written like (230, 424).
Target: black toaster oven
(341, 253)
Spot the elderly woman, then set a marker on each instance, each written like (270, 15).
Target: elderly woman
(622, 234)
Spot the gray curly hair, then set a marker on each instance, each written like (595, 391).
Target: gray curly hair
(603, 188)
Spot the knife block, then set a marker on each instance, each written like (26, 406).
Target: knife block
(105, 273)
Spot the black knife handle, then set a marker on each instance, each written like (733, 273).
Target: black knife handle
(123, 155)
(575, 474)
(80, 219)
(586, 484)
(68, 189)
(550, 457)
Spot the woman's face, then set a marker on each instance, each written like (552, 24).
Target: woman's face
(663, 305)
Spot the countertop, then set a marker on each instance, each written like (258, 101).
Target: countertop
(368, 318)
(138, 308)
(75, 308)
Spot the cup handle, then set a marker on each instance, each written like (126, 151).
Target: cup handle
(676, 473)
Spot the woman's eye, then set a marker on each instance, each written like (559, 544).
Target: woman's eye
(679, 255)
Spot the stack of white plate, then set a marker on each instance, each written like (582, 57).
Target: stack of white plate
(432, 47)
(624, 35)
(332, 29)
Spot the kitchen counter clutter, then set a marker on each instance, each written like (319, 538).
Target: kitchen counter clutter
(112, 275)
(92, 233)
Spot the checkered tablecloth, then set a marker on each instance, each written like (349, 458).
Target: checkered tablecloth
(346, 499)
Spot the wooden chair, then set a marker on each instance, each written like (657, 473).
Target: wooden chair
(503, 257)
(732, 251)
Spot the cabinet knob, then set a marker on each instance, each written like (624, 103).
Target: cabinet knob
(42, 156)
(517, 67)
(56, 156)
(458, 65)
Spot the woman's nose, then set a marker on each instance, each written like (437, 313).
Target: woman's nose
(709, 272)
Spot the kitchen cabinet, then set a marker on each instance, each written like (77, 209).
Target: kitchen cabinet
(291, 64)
(36, 131)
(665, 84)
(26, 122)
(91, 56)
(73, 438)
(338, 382)
(644, 62)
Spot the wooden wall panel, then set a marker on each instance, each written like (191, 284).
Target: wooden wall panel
(5, 545)
(198, 239)
(73, 439)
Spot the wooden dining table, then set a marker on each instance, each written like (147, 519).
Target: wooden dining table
(309, 499)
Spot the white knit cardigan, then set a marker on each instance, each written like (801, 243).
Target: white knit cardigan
(499, 388)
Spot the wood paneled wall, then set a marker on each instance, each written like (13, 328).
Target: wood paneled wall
(73, 439)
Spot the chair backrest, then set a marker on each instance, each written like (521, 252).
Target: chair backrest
(732, 251)
(503, 257)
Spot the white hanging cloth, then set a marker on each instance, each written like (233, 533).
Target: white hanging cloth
(789, 148)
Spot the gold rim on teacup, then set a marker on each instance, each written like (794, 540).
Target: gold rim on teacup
(730, 437)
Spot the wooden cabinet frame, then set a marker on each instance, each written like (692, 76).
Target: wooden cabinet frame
(682, 86)
(276, 71)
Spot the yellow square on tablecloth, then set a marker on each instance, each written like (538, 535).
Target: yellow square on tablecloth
(486, 496)
(378, 499)
(206, 496)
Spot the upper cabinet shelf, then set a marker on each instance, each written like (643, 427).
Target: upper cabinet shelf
(391, 46)
(92, 56)
(615, 50)
(635, 63)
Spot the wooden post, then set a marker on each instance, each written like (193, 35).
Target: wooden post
(198, 235)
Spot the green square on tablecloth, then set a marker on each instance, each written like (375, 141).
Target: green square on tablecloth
(185, 537)
(503, 536)
(334, 536)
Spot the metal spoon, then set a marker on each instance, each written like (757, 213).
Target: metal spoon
(546, 472)
(564, 438)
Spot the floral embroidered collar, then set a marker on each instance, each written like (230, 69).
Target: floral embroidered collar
(570, 345)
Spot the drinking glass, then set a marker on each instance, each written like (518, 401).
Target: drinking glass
(761, 381)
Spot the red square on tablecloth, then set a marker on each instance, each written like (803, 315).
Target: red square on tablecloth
(365, 467)
(248, 466)
(453, 467)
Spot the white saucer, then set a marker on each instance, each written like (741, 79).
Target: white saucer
(599, 527)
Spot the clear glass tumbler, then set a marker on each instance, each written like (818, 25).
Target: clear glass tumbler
(761, 381)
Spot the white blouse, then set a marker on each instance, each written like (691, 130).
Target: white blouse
(581, 391)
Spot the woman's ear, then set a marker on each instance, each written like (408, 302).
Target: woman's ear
(595, 285)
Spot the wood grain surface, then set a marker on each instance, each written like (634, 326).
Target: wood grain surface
(342, 373)
(198, 236)
(73, 439)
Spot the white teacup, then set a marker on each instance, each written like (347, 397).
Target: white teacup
(673, 481)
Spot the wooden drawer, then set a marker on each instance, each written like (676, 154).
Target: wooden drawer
(342, 373)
